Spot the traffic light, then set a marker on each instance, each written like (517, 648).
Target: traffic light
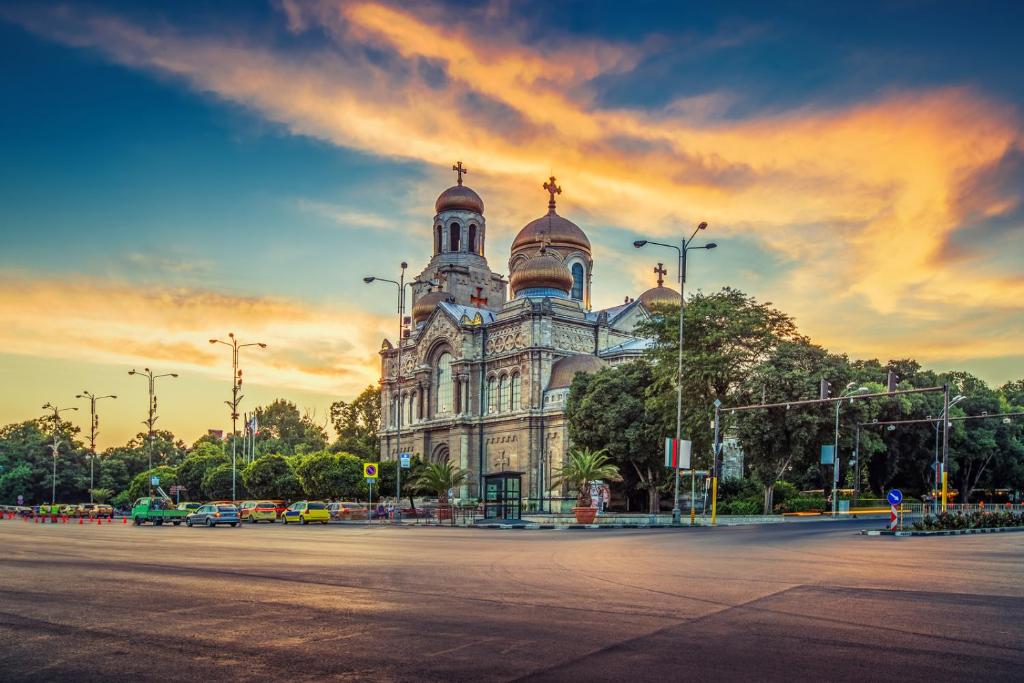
(825, 389)
(892, 381)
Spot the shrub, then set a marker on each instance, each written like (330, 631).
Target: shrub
(741, 506)
(802, 504)
(971, 520)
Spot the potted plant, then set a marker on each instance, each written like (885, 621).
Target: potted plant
(583, 466)
(439, 478)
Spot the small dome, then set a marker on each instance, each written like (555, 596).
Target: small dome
(565, 369)
(659, 296)
(426, 304)
(543, 271)
(561, 232)
(459, 198)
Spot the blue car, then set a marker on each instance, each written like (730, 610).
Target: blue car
(212, 515)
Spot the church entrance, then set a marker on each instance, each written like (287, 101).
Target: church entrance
(503, 495)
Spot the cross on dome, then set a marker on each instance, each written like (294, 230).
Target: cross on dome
(459, 169)
(661, 272)
(552, 189)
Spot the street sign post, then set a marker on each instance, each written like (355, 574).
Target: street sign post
(21, 499)
(895, 497)
(369, 470)
(406, 460)
(154, 481)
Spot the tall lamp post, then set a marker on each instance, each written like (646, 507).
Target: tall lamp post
(849, 391)
(151, 420)
(938, 423)
(682, 249)
(94, 423)
(236, 386)
(56, 445)
(401, 284)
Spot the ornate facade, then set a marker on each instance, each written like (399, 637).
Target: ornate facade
(486, 362)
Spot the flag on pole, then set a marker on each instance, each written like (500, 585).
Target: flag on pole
(677, 453)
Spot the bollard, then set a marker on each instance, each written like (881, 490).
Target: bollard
(80, 522)
(124, 520)
(99, 520)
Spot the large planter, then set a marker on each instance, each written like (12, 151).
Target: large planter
(585, 515)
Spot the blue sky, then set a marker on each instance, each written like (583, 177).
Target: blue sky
(174, 172)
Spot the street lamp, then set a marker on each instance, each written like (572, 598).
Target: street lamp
(682, 249)
(401, 284)
(94, 423)
(56, 445)
(935, 471)
(849, 391)
(236, 386)
(148, 374)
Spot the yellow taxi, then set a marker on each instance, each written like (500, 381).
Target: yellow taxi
(306, 511)
(258, 511)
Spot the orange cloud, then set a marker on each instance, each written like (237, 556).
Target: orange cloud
(858, 201)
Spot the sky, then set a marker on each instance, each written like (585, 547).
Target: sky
(172, 172)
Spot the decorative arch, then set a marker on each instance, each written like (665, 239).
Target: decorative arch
(454, 236)
(492, 394)
(440, 453)
(472, 246)
(444, 384)
(503, 397)
(515, 392)
(438, 238)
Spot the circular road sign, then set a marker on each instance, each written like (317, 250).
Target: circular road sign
(895, 497)
(369, 469)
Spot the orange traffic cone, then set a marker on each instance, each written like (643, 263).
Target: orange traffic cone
(80, 522)
(99, 520)
(124, 520)
(36, 520)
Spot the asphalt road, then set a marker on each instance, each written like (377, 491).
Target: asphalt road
(273, 604)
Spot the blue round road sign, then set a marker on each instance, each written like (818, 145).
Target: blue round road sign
(895, 497)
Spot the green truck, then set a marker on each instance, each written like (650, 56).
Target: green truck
(157, 510)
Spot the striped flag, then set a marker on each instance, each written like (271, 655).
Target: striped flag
(677, 453)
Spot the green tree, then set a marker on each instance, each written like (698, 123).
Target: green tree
(271, 476)
(193, 469)
(101, 495)
(357, 423)
(217, 483)
(438, 478)
(29, 443)
(326, 475)
(140, 485)
(610, 411)
(283, 430)
(583, 466)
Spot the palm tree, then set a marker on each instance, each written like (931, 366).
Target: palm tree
(583, 466)
(439, 477)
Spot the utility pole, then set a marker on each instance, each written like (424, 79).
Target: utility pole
(236, 398)
(94, 423)
(55, 446)
(151, 420)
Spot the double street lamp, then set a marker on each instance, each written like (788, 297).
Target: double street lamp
(94, 423)
(943, 415)
(401, 284)
(236, 386)
(151, 420)
(849, 391)
(56, 444)
(684, 247)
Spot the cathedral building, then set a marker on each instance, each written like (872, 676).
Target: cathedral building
(486, 362)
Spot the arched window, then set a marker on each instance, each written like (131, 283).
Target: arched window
(393, 414)
(577, 281)
(503, 394)
(492, 395)
(407, 419)
(454, 233)
(472, 238)
(437, 240)
(443, 383)
(515, 391)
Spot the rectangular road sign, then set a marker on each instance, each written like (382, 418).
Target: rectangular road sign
(405, 460)
(828, 454)
(370, 470)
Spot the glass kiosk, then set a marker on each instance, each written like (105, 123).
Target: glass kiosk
(503, 495)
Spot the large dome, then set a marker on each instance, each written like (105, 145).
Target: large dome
(459, 198)
(565, 369)
(426, 304)
(542, 272)
(659, 296)
(560, 231)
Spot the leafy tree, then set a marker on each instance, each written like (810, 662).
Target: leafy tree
(439, 477)
(101, 495)
(29, 443)
(140, 486)
(357, 423)
(193, 470)
(271, 476)
(217, 483)
(609, 411)
(326, 475)
(282, 429)
(386, 481)
(583, 466)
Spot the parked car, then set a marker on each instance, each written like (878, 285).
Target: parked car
(189, 507)
(346, 510)
(212, 514)
(156, 510)
(94, 510)
(306, 511)
(258, 511)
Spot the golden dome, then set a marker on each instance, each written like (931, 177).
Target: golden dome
(541, 271)
(552, 228)
(426, 304)
(459, 198)
(565, 369)
(659, 296)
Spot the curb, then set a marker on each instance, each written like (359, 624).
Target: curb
(574, 527)
(941, 532)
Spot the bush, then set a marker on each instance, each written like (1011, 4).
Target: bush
(140, 483)
(972, 520)
(802, 504)
(741, 506)
(783, 492)
(271, 476)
